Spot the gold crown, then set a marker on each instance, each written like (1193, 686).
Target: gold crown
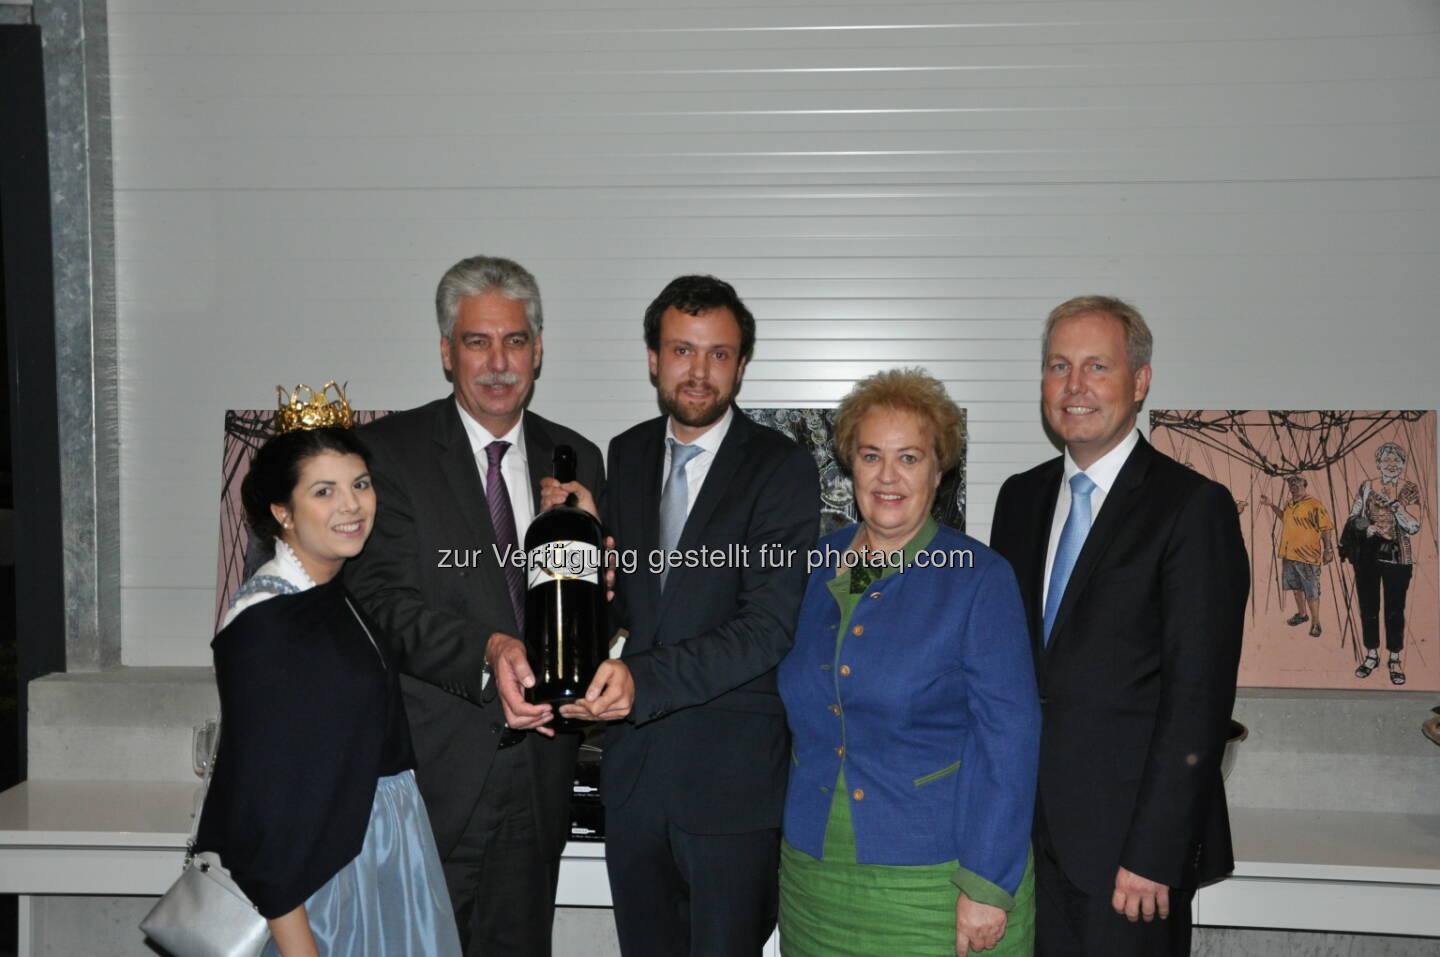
(294, 415)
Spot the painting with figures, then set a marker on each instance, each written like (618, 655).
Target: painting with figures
(1338, 513)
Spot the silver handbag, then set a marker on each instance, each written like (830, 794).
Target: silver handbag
(204, 913)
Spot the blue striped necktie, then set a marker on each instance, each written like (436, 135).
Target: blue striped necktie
(1072, 539)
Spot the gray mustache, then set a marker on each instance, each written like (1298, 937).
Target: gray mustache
(497, 378)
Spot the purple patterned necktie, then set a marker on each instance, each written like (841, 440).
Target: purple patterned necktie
(502, 516)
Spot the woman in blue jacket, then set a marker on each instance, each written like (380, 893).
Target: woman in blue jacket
(911, 700)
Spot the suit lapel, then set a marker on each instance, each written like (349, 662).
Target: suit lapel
(1034, 586)
(647, 484)
(539, 459)
(457, 462)
(727, 461)
(652, 459)
(717, 480)
(1118, 502)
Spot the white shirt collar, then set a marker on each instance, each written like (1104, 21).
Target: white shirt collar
(480, 436)
(1104, 470)
(710, 439)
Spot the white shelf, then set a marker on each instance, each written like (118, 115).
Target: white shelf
(128, 837)
(1344, 871)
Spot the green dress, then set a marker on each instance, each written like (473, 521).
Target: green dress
(837, 907)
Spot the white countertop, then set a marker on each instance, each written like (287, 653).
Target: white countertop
(1336, 845)
(126, 837)
(97, 814)
(120, 814)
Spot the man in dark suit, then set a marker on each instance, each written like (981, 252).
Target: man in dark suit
(458, 481)
(1134, 577)
(694, 775)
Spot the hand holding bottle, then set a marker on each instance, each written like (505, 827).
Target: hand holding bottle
(566, 622)
(610, 696)
(510, 670)
(554, 492)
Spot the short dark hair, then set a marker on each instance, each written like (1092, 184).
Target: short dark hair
(275, 471)
(693, 295)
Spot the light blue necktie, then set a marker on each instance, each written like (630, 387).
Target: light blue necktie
(1072, 539)
(675, 498)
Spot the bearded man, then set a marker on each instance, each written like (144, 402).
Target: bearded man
(693, 779)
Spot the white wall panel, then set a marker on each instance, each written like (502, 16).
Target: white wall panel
(885, 183)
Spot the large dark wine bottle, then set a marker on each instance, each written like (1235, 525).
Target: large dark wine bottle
(565, 620)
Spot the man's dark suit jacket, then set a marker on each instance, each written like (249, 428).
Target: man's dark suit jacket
(438, 619)
(707, 724)
(1138, 678)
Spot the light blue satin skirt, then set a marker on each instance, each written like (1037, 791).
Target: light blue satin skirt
(391, 899)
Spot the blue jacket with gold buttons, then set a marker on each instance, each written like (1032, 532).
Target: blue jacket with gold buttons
(928, 701)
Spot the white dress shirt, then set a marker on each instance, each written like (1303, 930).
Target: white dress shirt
(514, 467)
(699, 466)
(1103, 473)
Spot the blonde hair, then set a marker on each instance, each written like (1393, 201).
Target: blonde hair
(902, 390)
(1138, 341)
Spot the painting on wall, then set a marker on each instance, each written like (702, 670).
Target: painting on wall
(1338, 513)
(814, 430)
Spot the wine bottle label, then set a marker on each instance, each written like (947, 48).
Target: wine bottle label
(564, 560)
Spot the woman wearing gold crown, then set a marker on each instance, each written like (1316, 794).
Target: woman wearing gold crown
(313, 806)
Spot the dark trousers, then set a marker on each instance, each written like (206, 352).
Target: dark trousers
(502, 884)
(1372, 579)
(679, 894)
(1072, 923)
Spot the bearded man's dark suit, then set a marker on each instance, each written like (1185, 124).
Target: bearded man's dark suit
(430, 578)
(1138, 677)
(705, 749)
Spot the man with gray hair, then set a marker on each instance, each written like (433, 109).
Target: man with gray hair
(458, 481)
(1134, 577)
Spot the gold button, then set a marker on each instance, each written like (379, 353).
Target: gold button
(858, 630)
(840, 750)
(845, 670)
(834, 709)
(874, 594)
(858, 794)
